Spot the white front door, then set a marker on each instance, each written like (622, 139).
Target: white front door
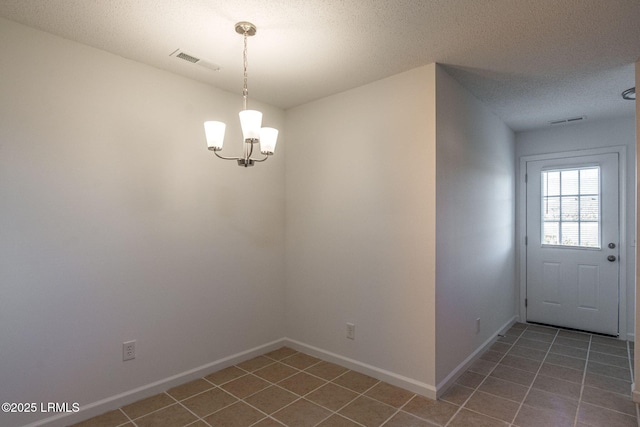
(573, 242)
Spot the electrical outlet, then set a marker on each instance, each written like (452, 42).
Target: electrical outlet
(128, 350)
(478, 325)
(351, 331)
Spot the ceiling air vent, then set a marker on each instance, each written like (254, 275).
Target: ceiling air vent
(187, 57)
(567, 121)
(178, 53)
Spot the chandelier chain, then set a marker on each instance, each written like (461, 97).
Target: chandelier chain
(245, 91)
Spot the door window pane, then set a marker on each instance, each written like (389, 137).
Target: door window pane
(551, 233)
(589, 208)
(589, 235)
(551, 208)
(589, 182)
(571, 207)
(551, 183)
(569, 181)
(570, 234)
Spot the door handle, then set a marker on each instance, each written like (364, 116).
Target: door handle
(611, 258)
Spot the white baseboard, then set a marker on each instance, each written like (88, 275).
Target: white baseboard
(410, 384)
(113, 402)
(462, 367)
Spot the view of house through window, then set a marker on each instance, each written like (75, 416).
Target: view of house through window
(571, 207)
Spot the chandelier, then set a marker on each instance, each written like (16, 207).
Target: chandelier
(250, 120)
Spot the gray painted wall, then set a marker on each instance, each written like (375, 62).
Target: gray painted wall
(475, 223)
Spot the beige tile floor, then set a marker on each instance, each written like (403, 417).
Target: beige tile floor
(533, 376)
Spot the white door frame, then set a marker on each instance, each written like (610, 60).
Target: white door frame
(521, 232)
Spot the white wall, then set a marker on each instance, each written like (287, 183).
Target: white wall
(475, 205)
(116, 223)
(360, 224)
(588, 135)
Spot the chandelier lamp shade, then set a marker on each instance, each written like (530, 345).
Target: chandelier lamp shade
(250, 120)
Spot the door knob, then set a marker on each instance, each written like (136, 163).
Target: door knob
(611, 258)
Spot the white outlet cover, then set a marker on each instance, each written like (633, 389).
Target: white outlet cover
(128, 350)
(351, 331)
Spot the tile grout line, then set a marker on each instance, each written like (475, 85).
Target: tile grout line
(631, 372)
(633, 380)
(215, 386)
(398, 410)
(128, 417)
(484, 379)
(301, 397)
(197, 421)
(198, 418)
(343, 406)
(133, 420)
(515, 416)
(271, 383)
(630, 361)
(584, 376)
(349, 402)
(249, 404)
(269, 417)
(358, 395)
(604, 389)
(175, 401)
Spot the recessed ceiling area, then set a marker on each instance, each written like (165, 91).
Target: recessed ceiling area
(531, 62)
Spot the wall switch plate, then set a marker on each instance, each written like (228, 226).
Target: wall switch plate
(128, 350)
(351, 331)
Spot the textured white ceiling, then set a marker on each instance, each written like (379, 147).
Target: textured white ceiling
(530, 61)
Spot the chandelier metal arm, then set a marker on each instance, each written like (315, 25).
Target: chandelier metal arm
(247, 159)
(226, 158)
(261, 160)
(255, 160)
(251, 149)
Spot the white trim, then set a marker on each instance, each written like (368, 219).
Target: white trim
(461, 368)
(522, 228)
(113, 402)
(398, 380)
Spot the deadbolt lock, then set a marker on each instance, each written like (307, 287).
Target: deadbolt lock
(612, 245)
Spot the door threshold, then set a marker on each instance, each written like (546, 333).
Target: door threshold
(574, 330)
